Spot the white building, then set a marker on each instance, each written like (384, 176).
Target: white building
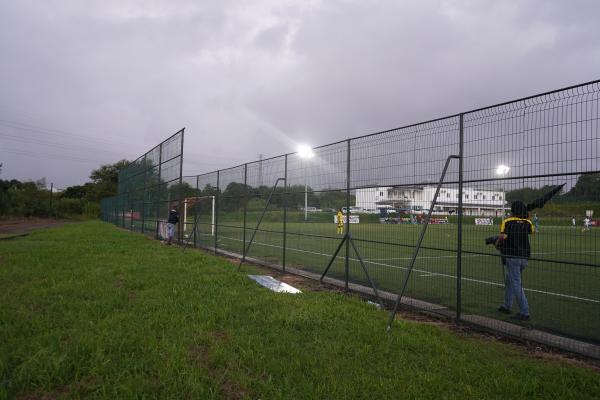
(479, 202)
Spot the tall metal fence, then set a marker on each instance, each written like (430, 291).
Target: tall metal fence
(147, 188)
(282, 211)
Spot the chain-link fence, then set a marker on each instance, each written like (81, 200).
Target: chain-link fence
(283, 211)
(148, 188)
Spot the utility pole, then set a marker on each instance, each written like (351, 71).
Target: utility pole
(260, 173)
(51, 195)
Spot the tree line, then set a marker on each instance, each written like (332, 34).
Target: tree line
(33, 199)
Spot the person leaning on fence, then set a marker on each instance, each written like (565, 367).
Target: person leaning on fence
(171, 222)
(513, 243)
(340, 222)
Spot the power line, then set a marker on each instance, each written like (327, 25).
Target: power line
(51, 156)
(7, 136)
(45, 130)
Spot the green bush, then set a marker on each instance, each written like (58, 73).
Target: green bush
(91, 209)
(67, 207)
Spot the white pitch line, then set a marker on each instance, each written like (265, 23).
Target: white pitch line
(485, 255)
(424, 257)
(566, 252)
(430, 274)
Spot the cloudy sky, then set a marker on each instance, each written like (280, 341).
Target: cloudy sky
(89, 82)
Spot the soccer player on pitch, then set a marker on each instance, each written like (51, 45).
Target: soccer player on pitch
(340, 222)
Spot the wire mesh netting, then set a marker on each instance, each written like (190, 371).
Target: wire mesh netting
(148, 188)
(371, 198)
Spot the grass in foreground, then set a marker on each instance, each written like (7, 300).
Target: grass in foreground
(563, 298)
(87, 310)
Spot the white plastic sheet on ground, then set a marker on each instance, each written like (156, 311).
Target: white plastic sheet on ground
(271, 283)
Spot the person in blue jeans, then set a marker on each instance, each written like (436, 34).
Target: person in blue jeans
(171, 222)
(513, 243)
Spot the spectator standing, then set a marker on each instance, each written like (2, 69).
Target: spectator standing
(171, 222)
(513, 243)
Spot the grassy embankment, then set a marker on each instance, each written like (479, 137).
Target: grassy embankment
(89, 310)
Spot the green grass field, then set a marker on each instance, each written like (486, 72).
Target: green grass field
(91, 311)
(564, 298)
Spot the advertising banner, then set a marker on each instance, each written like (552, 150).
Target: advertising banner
(354, 219)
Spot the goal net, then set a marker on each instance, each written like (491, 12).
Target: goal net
(199, 214)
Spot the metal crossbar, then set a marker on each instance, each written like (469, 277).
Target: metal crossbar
(348, 240)
(419, 241)
(247, 248)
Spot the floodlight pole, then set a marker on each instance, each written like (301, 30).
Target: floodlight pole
(419, 241)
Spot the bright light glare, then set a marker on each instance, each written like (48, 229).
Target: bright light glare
(502, 170)
(305, 152)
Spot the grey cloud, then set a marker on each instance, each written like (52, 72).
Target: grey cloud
(249, 78)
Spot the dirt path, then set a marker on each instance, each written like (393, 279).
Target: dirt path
(19, 226)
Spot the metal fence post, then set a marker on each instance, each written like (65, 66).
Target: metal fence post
(460, 220)
(180, 202)
(284, 201)
(217, 212)
(158, 188)
(123, 208)
(245, 209)
(130, 208)
(347, 260)
(145, 166)
(195, 233)
(51, 192)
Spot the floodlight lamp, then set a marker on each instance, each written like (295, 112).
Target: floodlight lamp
(502, 170)
(305, 152)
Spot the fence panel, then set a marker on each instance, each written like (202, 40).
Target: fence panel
(384, 185)
(522, 150)
(148, 188)
(394, 175)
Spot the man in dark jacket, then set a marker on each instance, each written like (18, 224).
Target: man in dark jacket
(513, 243)
(171, 222)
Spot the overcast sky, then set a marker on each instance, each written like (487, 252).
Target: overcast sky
(86, 82)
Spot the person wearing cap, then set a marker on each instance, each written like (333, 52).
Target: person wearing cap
(171, 222)
(513, 243)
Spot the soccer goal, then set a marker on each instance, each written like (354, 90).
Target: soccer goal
(198, 211)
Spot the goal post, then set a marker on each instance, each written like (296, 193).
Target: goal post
(195, 209)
